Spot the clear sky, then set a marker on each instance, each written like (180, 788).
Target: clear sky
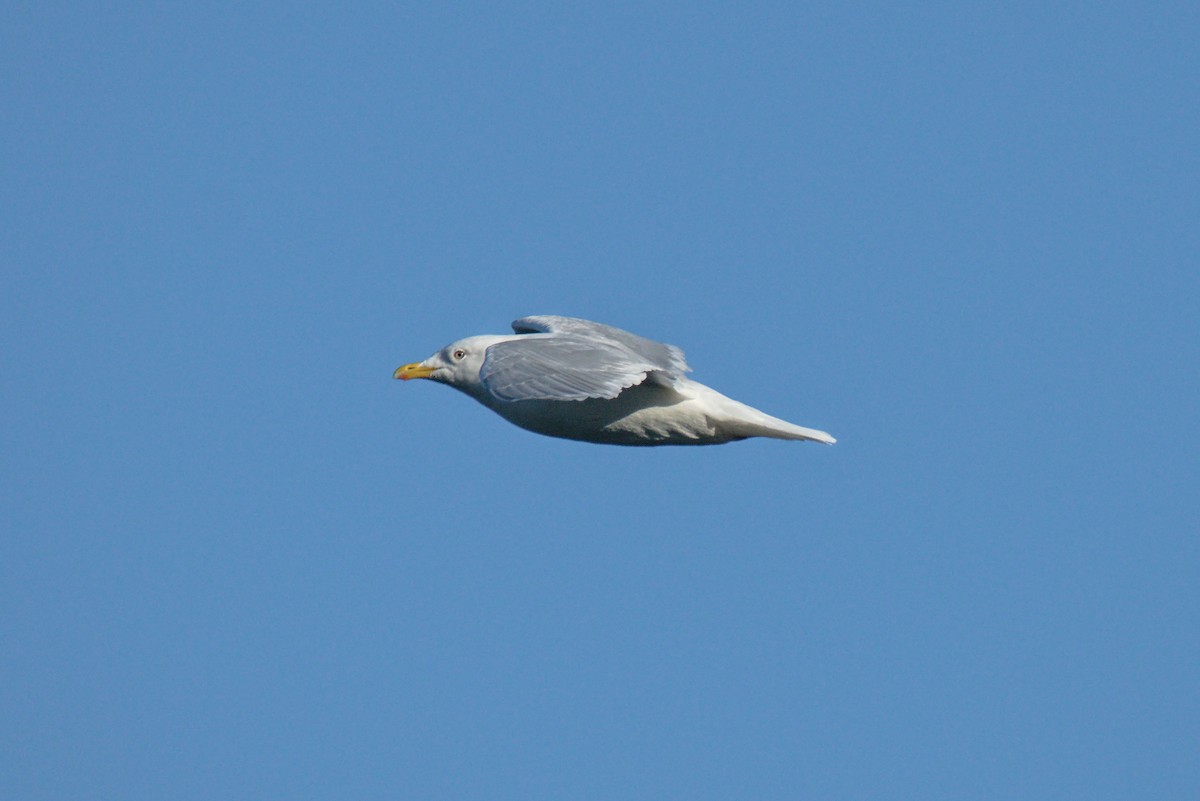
(239, 561)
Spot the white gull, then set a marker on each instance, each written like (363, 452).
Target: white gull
(572, 378)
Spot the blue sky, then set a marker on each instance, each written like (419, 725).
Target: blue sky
(240, 561)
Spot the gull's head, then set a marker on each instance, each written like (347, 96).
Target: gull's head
(457, 364)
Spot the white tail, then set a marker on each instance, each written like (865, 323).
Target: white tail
(764, 425)
(746, 421)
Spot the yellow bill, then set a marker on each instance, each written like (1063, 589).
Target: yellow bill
(414, 370)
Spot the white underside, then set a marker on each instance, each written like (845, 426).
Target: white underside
(652, 413)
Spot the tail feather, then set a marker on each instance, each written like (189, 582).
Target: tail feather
(747, 421)
(781, 429)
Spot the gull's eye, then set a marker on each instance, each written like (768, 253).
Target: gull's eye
(459, 355)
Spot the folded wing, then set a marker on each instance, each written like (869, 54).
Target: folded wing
(560, 367)
(667, 358)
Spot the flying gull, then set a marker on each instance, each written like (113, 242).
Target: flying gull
(572, 378)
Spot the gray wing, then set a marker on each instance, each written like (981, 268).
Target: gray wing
(561, 367)
(667, 358)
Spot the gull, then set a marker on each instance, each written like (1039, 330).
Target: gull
(576, 379)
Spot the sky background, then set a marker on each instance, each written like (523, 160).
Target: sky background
(238, 560)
